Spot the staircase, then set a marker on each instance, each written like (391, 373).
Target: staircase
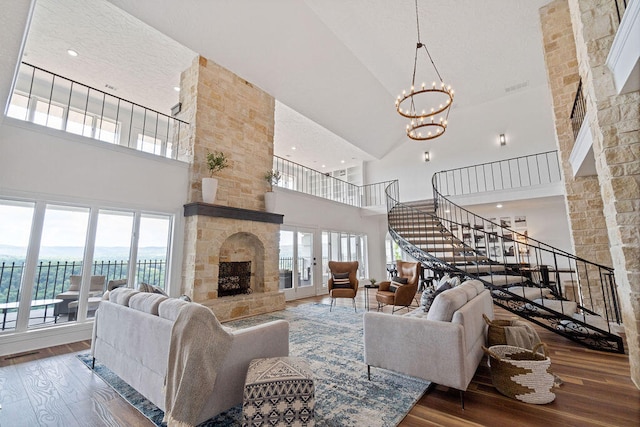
(447, 238)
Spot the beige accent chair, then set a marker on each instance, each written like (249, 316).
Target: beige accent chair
(404, 295)
(338, 267)
(96, 288)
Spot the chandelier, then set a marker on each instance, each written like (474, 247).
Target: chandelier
(427, 106)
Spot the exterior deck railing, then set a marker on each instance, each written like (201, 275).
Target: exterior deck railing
(54, 101)
(53, 277)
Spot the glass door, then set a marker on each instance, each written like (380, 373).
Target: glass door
(297, 264)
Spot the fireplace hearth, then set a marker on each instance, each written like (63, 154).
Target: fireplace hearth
(234, 278)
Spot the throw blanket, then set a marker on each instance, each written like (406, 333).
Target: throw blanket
(521, 334)
(198, 347)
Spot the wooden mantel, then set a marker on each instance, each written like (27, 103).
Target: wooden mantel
(219, 211)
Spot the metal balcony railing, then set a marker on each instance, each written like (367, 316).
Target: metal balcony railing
(309, 181)
(524, 171)
(621, 6)
(50, 100)
(578, 111)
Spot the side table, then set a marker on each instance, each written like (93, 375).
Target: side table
(366, 294)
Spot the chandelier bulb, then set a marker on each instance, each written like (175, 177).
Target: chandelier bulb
(423, 85)
(434, 84)
(449, 87)
(404, 92)
(429, 134)
(432, 110)
(441, 84)
(445, 122)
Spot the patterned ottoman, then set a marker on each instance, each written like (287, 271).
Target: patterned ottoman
(278, 391)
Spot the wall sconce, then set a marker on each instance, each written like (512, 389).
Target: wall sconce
(427, 156)
(503, 139)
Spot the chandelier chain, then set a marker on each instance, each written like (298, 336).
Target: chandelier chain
(418, 46)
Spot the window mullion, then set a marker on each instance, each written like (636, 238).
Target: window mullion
(133, 255)
(89, 249)
(29, 270)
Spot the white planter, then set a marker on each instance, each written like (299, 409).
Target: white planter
(209, 189)
(270, 201)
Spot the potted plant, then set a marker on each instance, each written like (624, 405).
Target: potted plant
(272, 177)
(216, 161)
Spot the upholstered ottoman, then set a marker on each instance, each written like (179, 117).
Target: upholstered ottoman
(278, 391)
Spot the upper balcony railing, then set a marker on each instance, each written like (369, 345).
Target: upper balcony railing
(50, 100)
(524, 171)
(578, 111)
(621, 6)
(309, 181)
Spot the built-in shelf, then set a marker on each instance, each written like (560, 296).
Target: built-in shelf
(218, 211)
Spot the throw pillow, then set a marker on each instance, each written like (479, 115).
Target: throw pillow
(395, 284)
(341, 281)
(145, 287)
(431, 295)
(401, 280)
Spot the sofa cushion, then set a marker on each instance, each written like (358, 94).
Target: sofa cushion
(452, 281)
(170, 308)
(121, 295)
(146, 302)
(446, 304)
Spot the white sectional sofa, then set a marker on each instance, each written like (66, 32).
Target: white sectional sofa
(443, 346)
(132, 334)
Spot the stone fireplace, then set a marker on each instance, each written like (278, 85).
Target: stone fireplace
(233, 240)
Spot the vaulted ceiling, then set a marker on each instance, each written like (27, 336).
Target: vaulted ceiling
(339, 63)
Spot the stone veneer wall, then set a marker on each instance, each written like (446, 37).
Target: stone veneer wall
(228, 114)
(615, 127)
(584, 202)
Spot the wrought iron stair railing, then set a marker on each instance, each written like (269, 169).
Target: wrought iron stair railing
(555, 289)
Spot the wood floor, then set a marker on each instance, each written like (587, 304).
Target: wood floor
(53, 388)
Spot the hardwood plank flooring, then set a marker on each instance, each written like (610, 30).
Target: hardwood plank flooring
(51, 387)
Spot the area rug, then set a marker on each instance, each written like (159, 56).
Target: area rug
(333, 345)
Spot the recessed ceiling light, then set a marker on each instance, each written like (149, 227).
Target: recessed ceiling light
(324, 166)
(72, 52)
(293, 148)
(498, 206)
(176, 88)
(341, 161)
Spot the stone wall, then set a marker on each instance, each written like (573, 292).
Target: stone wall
(584, 202)
(229, 114)
(615, 127)
(614, 122)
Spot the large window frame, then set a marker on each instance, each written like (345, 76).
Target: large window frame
(30, 266)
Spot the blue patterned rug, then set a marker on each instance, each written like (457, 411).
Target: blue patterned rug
(333, 345)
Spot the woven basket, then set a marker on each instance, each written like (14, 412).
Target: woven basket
(521, 374)
(496, 334)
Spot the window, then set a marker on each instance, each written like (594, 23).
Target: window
(79, 123)
(19, 107)
(149, 144)
(338, 246)
(15, 228)
(153, 247)
(48, 114)
(128, 244)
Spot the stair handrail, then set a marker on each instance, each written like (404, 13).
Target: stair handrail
(598, 289)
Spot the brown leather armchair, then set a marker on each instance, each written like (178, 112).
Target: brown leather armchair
(404, 294)
(338, 267)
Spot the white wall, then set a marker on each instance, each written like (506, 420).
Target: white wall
(471, 138)
(547, 219)
(40, 161)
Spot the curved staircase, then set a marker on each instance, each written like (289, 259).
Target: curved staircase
(563, 293)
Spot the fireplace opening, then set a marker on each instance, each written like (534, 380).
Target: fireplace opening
(234, 278)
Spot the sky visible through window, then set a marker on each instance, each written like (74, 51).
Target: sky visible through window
(65, 227)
